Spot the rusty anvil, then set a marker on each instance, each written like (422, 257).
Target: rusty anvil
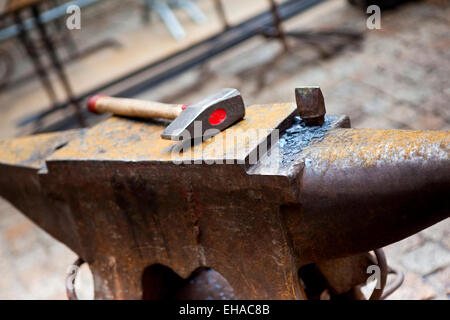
(319, 196)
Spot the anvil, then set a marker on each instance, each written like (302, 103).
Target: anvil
(114, 195)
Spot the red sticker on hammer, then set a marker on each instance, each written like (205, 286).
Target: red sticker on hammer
(217, 117)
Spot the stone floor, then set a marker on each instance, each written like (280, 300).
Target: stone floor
(396, 77)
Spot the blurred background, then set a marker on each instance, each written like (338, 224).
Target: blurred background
(178, 51)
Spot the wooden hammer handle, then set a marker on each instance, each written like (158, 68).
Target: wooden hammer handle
(134, 107)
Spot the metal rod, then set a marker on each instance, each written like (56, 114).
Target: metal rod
(26, 41)
(278, 25)
(221, 12)
(57, 65)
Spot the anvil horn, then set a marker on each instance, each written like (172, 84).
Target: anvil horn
(363, 189)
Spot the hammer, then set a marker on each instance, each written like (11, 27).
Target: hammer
(217, 111)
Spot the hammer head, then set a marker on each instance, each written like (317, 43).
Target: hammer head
(217, 111)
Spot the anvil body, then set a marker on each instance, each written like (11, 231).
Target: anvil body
(113, 195)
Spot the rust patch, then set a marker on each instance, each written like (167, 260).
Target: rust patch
(121, 139)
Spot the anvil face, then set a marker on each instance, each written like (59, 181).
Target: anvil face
(121, 139)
